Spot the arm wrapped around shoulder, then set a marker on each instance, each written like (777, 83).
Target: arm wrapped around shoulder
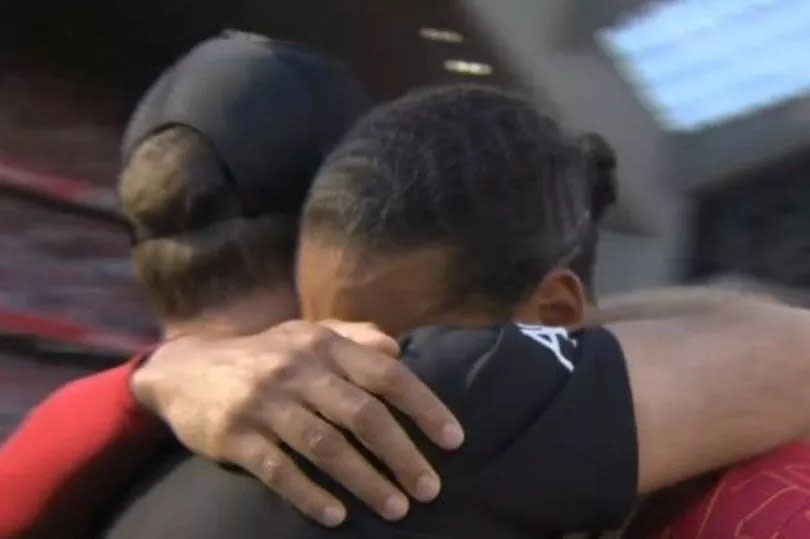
(714, 382)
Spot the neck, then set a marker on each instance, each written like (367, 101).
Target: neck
(251, 314)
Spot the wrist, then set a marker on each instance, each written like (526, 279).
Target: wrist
(138, 387)
(154, 370)
(142, 380)
(135, 415)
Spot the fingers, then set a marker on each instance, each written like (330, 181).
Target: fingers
(264, 460)
(329, 450)
(373, 424)
(397, 385)
(366, 334)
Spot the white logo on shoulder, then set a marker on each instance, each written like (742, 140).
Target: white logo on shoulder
(552, 338)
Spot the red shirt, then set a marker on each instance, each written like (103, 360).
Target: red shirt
(764, 498)
(72, 454)
(87, 441)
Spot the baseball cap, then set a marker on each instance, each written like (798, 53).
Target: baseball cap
(271, 111)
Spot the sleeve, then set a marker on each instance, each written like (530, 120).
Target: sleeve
(551, 436)
(576, 462)
(72, 453)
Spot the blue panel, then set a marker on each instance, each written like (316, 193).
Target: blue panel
(699, 62)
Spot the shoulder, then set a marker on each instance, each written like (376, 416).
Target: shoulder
(440, 354)
(507, 375)
(548, 416)
(190, 496)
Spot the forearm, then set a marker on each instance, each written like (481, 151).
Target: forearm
(667, 303)
(711, 388)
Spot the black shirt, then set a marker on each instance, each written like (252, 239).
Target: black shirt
(550, 446)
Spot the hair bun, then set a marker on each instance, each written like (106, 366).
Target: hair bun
(600, 163)
(174, 183)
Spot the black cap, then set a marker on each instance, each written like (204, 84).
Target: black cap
(271, 111)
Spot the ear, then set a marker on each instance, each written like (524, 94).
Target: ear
(558, 300)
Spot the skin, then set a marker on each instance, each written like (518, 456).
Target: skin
(261, 389)
(249, 315)
(679, 349)
(333, 284)
(350, 284)
(680, 346)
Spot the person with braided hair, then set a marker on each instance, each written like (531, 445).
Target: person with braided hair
(464, 221)
(473, 171)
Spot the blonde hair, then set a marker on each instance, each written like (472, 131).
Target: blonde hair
(194, 250)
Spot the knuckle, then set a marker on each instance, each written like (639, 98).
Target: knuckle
(370, 330)
(220, 422)
(221, 431)
(383, 344)
(273, 471)
(365, 418)
(392, 375)
(367, 338)
(284, 371)
(290, 326)
(308, 341)
(331, 323)
(317, 338)
(324, 442)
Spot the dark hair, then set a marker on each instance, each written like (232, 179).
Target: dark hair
(475, 169)
(195, 250)
(598, 161)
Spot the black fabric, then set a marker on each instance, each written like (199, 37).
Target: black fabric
(271, 110)
(548, 449)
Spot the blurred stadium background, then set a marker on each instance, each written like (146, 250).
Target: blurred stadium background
(705, 100)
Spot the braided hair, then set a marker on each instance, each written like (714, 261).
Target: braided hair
(474, 169)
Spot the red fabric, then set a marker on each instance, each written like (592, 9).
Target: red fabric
(72, 454)
(57, 188)
(766, 498)
(60, 330)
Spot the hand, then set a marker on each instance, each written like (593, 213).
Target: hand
(236, 399)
